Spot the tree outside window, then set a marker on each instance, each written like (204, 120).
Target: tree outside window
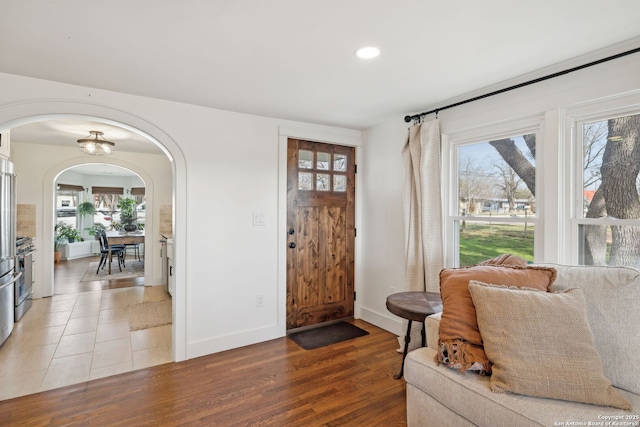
(496, 199)
(610, 188)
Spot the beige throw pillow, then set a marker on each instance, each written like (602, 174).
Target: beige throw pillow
(541, 345)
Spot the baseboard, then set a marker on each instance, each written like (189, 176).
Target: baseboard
(270, 332)
(228, 342)
(389, 322)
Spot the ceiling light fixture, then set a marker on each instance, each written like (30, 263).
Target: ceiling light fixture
(368, 52)
(95, 144)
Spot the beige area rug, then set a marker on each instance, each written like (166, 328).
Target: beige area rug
(149, 314)
(132, 269)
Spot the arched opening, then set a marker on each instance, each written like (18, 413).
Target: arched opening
(17, 115)
(80, 265)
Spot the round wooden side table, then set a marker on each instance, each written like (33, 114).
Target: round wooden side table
(413, 306)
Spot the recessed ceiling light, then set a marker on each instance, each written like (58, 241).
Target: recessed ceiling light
(367, 52)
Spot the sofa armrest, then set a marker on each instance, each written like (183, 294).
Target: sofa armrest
(432, 324)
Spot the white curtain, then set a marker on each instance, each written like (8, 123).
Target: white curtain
(422, 213)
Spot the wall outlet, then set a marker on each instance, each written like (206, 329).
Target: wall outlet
(259, 300)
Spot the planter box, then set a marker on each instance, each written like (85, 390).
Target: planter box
(79, 249)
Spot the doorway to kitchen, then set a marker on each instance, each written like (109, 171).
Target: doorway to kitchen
(78, 336)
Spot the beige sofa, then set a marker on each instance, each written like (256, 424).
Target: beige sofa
(440, 396)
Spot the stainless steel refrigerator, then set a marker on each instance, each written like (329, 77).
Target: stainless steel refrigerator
(8, 276)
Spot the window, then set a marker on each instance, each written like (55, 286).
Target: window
(67, 200)
(325, 171)
(576, 194)
(607, 202)
(492, 208)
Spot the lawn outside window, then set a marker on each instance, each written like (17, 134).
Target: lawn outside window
(492, 207)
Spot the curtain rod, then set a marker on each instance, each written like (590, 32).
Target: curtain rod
(530, 82)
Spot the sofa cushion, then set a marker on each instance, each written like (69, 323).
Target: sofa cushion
(471, 398)
(505, 259)
(613, 298)
(432, 325)
(460, 344)
(541, 345)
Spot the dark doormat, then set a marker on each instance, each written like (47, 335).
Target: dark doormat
(326, 335)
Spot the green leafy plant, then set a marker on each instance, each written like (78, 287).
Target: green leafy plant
(95, 228)
(127, 210)
(63, 231)
(86, 208)
(116, 225)
(58, 235)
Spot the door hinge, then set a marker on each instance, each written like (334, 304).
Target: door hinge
(355, 232)
(354, 295)
(355, 168)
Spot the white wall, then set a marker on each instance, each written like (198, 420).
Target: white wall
(226, 166)
(383, 236)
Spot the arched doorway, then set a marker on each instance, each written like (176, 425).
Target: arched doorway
(100, 187)
(18, 114)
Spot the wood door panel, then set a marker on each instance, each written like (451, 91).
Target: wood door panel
(336, 255)
(320, 259)
(314, 315)
(307, 251)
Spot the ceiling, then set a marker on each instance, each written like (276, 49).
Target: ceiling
(66, 133)
(294, 59)
(98, 169)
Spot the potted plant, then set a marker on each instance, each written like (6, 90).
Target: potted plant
(73, 235)
(64, 231)
(128, 213)
(95, 228)
(86, 211)
(57, 238)
(86, 208)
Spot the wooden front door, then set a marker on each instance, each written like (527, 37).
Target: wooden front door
(321, 232)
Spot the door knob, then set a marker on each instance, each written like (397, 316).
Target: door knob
(291, 231)
(292, 245)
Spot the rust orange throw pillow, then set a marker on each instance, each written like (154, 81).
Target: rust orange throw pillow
(460, 345)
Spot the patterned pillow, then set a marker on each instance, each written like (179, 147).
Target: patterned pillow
(460, 340)
(540, 344)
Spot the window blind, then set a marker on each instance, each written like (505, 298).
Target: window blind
(69, 187)
(107, 190)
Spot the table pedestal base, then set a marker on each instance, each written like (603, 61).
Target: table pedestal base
(407, 340)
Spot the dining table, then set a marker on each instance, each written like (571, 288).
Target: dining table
(123, 238)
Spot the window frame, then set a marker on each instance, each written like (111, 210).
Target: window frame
(610, 108)
(449, 165)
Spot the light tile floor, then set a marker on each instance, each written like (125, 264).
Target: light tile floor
(72, 338)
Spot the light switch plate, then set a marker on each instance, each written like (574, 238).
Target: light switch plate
(258, 218)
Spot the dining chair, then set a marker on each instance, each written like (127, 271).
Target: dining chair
(117, 250)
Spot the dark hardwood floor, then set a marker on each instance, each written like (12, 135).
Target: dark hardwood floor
(275, 383)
